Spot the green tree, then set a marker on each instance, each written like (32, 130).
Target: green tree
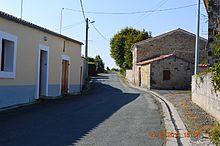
(215, 68)
(121, 44)
(90, 59)
(100, 66)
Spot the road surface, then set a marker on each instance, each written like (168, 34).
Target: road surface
(110, 114)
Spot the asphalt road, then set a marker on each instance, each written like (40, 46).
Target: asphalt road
(110, 114)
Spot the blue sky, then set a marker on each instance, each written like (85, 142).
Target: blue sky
(46, 13)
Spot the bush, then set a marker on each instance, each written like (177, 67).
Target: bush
(215, 134)
(215, 70)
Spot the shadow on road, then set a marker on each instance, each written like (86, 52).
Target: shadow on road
(62, 122)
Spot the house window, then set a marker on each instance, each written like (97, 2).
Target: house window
(8, 44)
(166, 75)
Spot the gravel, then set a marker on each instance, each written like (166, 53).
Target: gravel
(196, 120)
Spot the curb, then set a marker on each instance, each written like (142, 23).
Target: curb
(173, 124)
(177, 134)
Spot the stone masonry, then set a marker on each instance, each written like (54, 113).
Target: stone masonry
(178, 42)
(180, 73)
(213, 28)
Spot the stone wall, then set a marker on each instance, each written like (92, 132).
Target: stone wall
(129, 75)
(213, 28)
(136, 74)
(204, 96)
(180, 74)
(145, 76)
(183, 44)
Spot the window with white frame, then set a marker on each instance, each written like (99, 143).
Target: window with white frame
(8, 45)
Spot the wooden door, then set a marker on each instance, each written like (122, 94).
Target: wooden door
(65, 72)
(139, 76)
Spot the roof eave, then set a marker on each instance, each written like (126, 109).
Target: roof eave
(34, 26)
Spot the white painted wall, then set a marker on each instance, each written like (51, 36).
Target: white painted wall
(204, 96)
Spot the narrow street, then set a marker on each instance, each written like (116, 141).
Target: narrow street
(110, 114)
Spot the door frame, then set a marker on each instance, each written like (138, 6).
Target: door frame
(42, 48)
(67, 58)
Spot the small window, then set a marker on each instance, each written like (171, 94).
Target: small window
(166, 75)
(7, 55)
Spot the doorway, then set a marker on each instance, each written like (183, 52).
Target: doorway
(65, 77)
(43, 69)
(43, 73)
(139, 76)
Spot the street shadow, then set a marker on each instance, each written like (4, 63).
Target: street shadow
(99, 77)
(62, 122)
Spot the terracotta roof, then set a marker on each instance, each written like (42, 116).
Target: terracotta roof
(206, 2)
(26, 23)
(164, 35)
(155, 59)
(204, 65)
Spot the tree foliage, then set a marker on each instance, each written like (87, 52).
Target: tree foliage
(90, 59)
(100, 66)
(121, 44)
(215, 68)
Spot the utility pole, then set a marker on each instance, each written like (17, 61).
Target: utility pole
(197, 41)
(86, 47)
(21, 8)
(86, 44)
(61, 20)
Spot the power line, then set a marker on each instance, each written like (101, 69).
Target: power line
(82, 9)
(131, 13)
(161, 3)
(100, 33)
(70, 26)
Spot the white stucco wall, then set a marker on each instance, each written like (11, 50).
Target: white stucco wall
(204, 96)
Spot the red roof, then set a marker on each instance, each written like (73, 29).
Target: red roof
(204, 65)
(155, 59)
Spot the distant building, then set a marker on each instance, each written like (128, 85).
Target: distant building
(166, 61)
(36, 62)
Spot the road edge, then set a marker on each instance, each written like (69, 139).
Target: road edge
(172, 121)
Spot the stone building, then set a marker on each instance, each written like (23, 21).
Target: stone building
(166, 61)
(213, 9)
(165, 72)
